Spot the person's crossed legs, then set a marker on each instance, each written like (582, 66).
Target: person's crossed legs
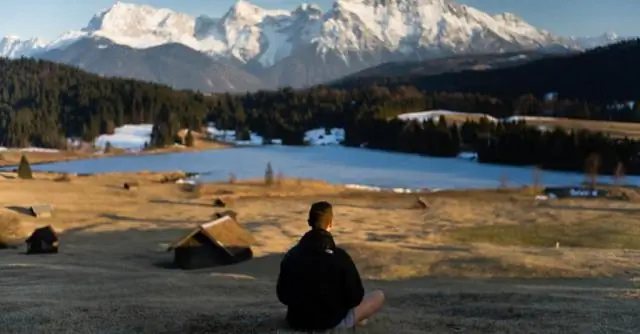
(370, 305)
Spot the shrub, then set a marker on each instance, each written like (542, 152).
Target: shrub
(65, 177)
(108, 148)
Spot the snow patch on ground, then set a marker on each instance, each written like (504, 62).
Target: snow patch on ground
(468, 155)
(128, 137)
(30, 149)
(424, 116)
(315, 137)
(321, 137)
(229, 136)
(378, 189)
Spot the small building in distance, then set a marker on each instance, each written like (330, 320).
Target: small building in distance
(220, 242)
(43, 240)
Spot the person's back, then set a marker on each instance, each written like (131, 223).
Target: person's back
(319, 281)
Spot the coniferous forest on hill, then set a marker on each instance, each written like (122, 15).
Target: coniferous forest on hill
(43, 103)
(600, 76)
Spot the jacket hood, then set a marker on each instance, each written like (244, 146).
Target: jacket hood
(317, 239)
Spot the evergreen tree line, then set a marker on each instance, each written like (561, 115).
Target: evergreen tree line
(42, 103)
(514, 143)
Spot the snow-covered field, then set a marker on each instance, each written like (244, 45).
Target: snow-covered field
(128, 137)
(423, 116)
(31, 149)
(315, 137)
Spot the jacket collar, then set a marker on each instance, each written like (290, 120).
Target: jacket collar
(317, 239)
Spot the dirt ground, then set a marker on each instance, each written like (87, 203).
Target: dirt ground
(439, 273)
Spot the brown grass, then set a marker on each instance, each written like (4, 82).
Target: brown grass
(615, 129)
(10, 229)
(439, 277)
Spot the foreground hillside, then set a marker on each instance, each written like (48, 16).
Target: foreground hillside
(601, 75)
(440, 268)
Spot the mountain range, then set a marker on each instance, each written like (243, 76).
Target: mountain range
(252, 48)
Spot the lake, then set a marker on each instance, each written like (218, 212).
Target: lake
(335, 164)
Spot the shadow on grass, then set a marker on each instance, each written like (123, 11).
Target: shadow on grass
(117, 217)
(590, 208)
(164, 201)
(249, 305)
(21, 210)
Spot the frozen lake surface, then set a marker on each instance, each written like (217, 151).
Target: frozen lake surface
(335, 164)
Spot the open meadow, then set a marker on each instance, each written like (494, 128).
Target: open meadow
(476, 261)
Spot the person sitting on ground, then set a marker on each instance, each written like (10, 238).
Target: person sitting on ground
(320, 284)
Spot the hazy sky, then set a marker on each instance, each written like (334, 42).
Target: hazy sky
(49, 18)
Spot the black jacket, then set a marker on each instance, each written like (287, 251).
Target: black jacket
(318, 282)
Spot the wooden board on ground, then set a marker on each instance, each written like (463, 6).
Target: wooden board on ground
(41, 211)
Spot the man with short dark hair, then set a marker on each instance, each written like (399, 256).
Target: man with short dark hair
(319, 282)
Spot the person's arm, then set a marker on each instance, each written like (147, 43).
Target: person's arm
(281, 287)
(354, 291)
(284, 285)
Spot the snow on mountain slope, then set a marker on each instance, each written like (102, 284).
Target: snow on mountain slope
(250, 33)
(14, 47)
(590, 42)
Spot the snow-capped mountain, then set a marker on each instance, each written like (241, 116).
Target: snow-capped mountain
(13, 47)
(306, 45)
(590, 42)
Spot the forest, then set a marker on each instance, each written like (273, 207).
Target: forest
(601, 75)
(43, 103)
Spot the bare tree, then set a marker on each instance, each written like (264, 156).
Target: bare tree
(618, 173)
(591, 168)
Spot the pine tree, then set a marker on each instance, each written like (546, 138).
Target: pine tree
(24, 169)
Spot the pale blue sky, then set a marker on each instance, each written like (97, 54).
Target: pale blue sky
(49, 18)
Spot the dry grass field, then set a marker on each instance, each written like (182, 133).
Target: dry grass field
(615, 129)
(472, 262)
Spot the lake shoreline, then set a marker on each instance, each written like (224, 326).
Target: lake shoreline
(334, 164)
(11, 157)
